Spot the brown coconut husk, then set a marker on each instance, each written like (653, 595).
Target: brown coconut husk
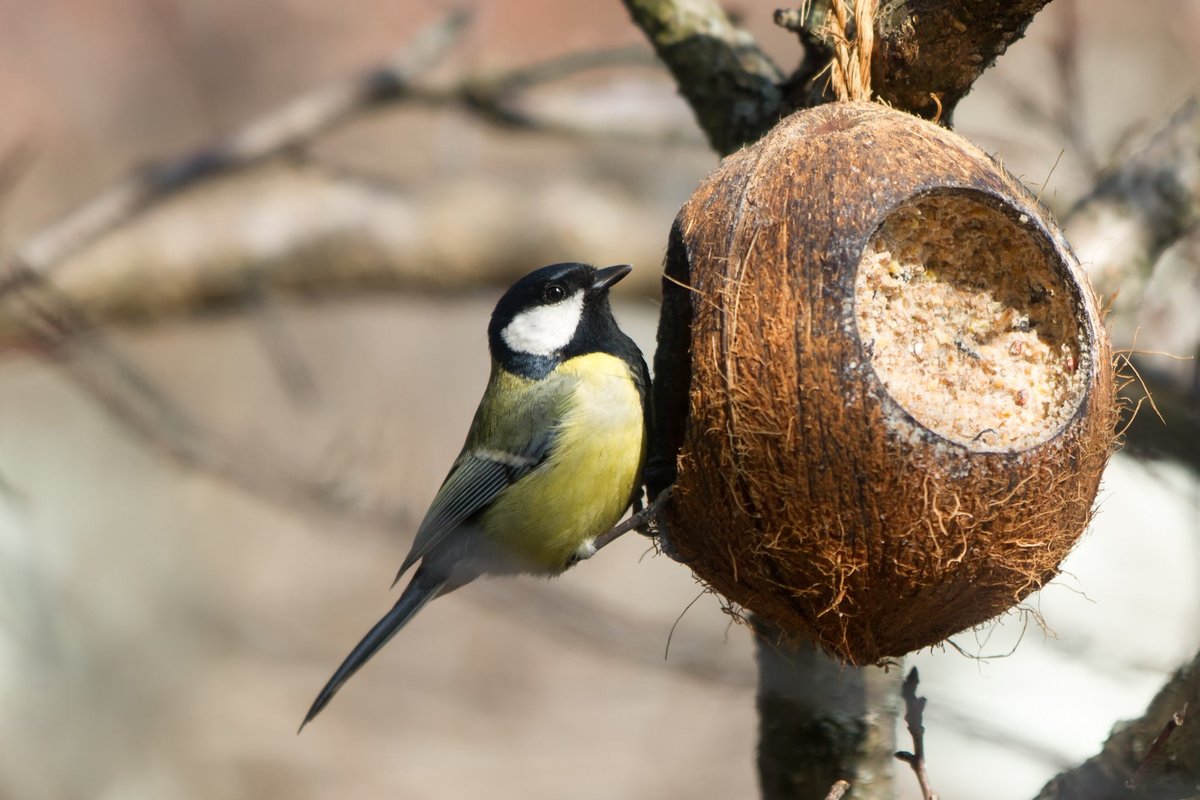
(811, 489)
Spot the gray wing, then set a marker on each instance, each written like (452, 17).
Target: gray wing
(477, 478)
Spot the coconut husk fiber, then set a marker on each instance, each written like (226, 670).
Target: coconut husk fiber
(885, 383)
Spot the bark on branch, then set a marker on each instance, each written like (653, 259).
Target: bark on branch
(1173, 772)
(731, 84)
(923, 49)
(940, 47)
(820, 722)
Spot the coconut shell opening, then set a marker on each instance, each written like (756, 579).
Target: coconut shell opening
(969, 324)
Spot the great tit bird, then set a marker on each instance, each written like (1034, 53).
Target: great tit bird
(554, 455)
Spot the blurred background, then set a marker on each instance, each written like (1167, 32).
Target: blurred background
(237, 405)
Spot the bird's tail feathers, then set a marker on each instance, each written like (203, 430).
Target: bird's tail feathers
(423, 588)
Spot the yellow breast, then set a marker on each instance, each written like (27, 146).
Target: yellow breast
(585, 485)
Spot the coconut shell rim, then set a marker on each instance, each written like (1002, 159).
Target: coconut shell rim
(1069, 272)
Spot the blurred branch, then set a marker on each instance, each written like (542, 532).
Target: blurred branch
(62, 334)
(1138, 210)
(1165, 767)
(282, 129)
(60, 328)
(821, 721)
(1177, 434)
(295, 125)
(1121, 230)
(495, 99)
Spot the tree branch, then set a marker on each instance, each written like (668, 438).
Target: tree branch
(821, 722)
(941, 47)
(284, 128)
(492, 98)
(64, 335)
(1137, 211)
(1121, 229)
(732, 86)
(1173, 771)
(923, 49)
(222, 272)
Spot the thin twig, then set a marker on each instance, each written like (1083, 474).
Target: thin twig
(644, 521)
(914, 710)
(495, 99)
(838, 790)
(1156, 746)
(571, 63)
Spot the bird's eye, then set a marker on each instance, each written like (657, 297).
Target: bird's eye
(553, 293)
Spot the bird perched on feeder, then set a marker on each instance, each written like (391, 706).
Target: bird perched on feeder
(553, 457)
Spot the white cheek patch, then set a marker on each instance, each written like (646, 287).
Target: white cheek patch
(544, 330)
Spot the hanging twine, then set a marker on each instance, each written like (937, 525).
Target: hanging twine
(850, 70)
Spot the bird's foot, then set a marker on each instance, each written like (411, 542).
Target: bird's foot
(645, 521)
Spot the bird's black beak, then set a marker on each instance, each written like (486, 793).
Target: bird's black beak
(609, 275)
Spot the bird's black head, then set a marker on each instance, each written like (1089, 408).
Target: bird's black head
(554, 313)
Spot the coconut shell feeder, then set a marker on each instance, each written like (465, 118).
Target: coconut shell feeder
(898, 391)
